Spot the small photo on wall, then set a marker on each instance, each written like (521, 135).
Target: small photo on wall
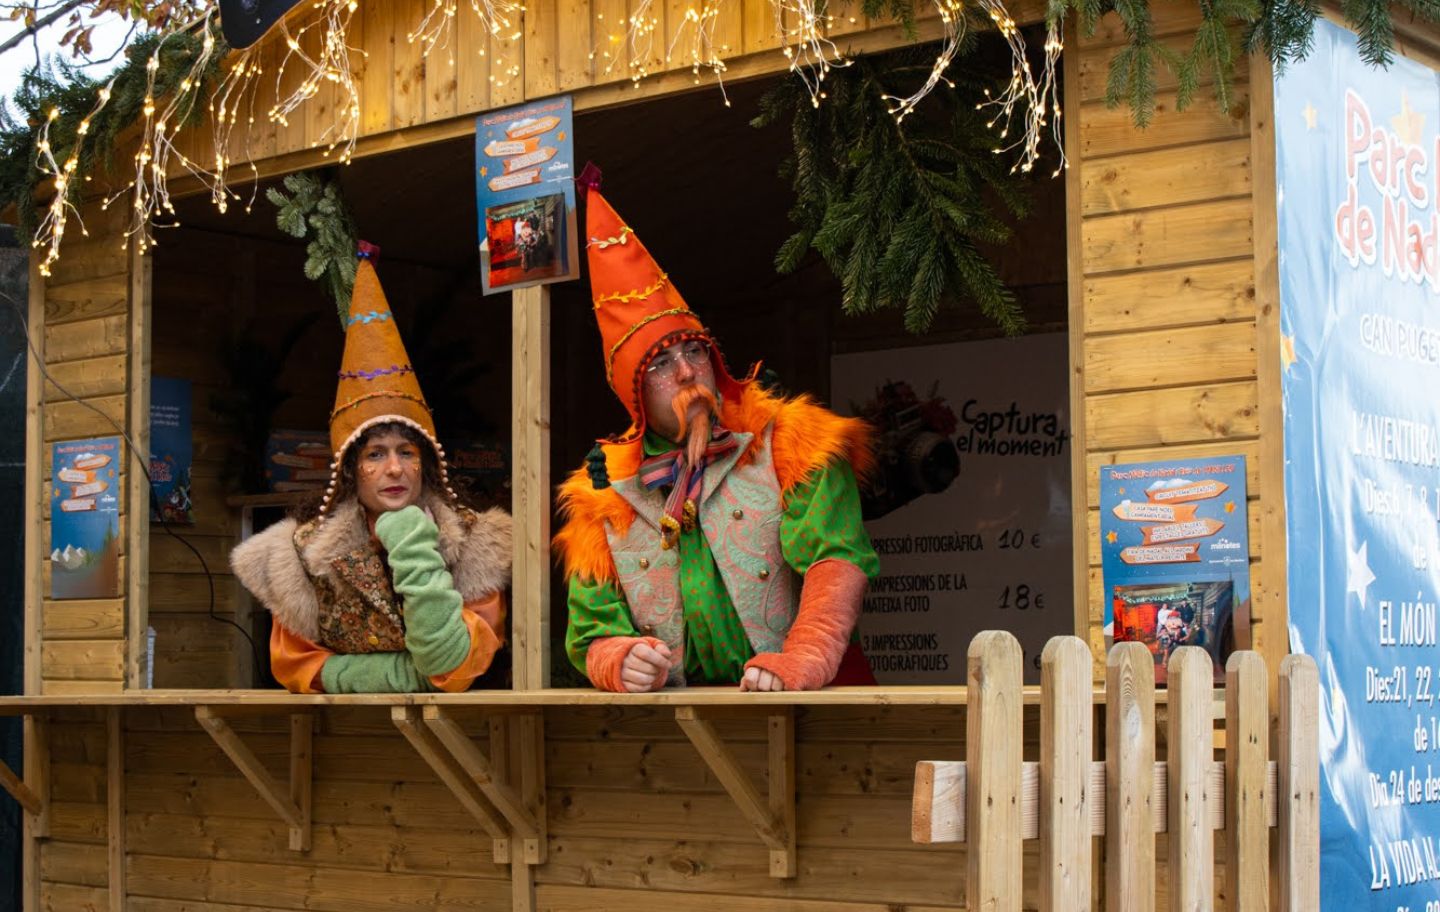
(527, 241)
(1165, 617)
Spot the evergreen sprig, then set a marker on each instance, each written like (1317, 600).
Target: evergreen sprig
(62, 87)
(896, 212)
(1281, 29)
(316, 209)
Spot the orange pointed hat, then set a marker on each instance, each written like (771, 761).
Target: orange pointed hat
(377, 383)
(639, 310)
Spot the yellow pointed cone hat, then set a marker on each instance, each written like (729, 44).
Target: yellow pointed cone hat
(377, 382)
(639, 310)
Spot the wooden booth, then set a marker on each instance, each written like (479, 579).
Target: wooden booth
(201, 793)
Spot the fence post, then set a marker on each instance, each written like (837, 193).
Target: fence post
(1065, 750)
(1189, 753)
(1129, 779)
(1247, 748)
(992, 764)
(1298, 877)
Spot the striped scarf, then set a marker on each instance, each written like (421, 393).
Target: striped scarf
(686, 483)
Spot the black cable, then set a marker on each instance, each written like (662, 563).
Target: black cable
(144, 460)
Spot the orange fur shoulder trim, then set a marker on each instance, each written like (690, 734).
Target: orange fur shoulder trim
(808, 436)
(581, 545)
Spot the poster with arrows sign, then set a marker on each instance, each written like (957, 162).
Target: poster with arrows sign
(1175, 555)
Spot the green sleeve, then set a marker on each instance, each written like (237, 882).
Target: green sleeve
(372, 672)
(822, 521)
(597, 609)
(435, 632)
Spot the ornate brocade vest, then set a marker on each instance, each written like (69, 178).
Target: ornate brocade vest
(740, 510)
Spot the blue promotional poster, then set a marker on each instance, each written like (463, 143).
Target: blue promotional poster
(525, 195)
(170, 451)
(85, 519)
(1358, 172)
(1175, 556)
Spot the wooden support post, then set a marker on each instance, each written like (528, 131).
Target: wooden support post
(302, 766)
(771, 815)
(993, 765)
(1297, 874)
(407, 720)
(35, 827)
(115, 805)
(1129, 779)
(1191, 756)
(35, 549)
(530, 483)
(1247, 743)
(530, 729)
(477, 766)
(782, 788)
(137, 487)
(252, 769)
(1065, 721)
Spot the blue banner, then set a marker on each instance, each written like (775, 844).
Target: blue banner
(1175, 554)
(1358, 173)
(171, 451)
(525, 195)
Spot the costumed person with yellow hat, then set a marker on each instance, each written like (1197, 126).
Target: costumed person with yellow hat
(719, 539)
(394, 586)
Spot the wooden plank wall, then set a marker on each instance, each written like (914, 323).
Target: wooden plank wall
(1163, 296)
(636, 820)
(81, 644)
(561, 47)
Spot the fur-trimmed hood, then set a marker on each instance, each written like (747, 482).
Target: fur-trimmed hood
(277, 565)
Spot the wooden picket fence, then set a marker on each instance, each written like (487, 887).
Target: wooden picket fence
(994, 800)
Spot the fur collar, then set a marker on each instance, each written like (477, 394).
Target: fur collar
(277, 565)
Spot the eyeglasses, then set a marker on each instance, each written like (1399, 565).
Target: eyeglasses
(664, 365)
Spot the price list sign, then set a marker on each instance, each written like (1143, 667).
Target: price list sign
(968, 506)
(1358, 175)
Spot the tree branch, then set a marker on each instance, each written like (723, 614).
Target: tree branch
(49, 19)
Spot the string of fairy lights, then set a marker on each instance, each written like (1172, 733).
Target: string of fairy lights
(317, 56)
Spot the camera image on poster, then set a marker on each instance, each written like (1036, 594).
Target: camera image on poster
(913, 450)
(527, 241)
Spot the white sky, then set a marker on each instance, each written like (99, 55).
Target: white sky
(110, 31)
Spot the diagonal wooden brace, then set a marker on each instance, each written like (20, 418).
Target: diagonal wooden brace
(428, 746)
(772, 815)
(292, 804)
(524, 817)
(31, 802)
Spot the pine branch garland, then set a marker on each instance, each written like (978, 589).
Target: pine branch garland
(315, 208)
(1282, 29)
(897, 212)
(64, 88)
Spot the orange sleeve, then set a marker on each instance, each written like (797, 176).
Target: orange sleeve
(485, 619)
(295, 661)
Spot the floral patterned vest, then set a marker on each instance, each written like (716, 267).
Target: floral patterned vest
(740, 510)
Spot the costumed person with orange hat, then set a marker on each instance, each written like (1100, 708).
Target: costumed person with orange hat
(719, 539)
(393, 586)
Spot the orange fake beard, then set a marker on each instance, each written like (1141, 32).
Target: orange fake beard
(696, 433)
